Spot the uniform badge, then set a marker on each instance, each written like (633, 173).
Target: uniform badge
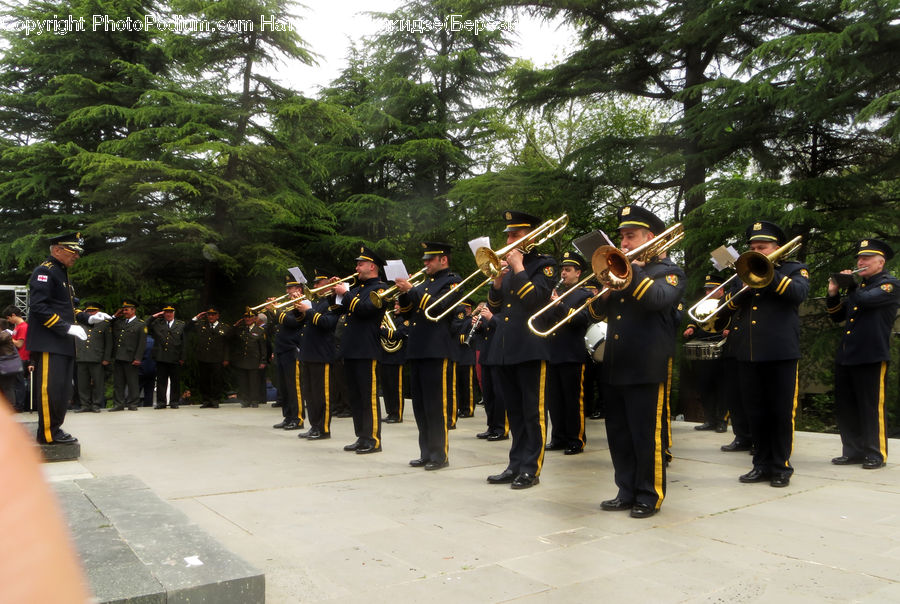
(888, 287)
(864, 243)
(424, 245)
(548, 270)
(672, 280)
(804, 273)
(508, 216)
(461, 315)
(566, 255)
(362, 249)
(626, 211)
(42, 278)
(757, 226)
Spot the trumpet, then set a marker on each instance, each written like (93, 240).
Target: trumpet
(316, 292)
(388, 295)
(612, 267)
(488, 262)
(259, 307)
(754, 269)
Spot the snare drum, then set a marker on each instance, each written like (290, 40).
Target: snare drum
(703, 351)
(595, 341)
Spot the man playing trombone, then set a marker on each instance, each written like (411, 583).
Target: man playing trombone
(640, 339)
(869, 309)
(429, 349)
(517, 292)
(765, 335)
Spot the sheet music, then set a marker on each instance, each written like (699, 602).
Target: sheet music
(479, 242)
(394, 269)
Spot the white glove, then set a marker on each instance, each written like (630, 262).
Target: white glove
(78, 332)
(99, 317)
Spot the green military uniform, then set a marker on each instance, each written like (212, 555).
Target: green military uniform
(129, 342)
(91, 358)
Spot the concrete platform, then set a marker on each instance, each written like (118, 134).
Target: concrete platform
(51, 453)
(330, 526)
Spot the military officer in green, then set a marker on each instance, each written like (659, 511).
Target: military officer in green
(248, 356)
(212, 354)
(869, 310)
(168, 352)
(92, 357)
(129, 343)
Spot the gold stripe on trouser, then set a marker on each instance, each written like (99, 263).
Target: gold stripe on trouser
(400, 388)
(657, 451)
(581, 407)
(453, 399)
(787, 462)
(297, 387)
(444, 407)
(471, 373)
(327, 422)
(374, 404)
(668, 403)
(45, 396)
(882, 441)
(542, 415)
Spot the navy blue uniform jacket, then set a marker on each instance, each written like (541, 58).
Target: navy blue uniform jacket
(870, 311)
(317, 344)
(361, 338)
(429, 339)
(51, 310)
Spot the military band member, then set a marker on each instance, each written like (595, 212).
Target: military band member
(129, 343)
(568, 361)
(287, 357)
(428, 355)
(51, 336)
(211, 350)
(869, 311)
(710, 373)
(464, 378)
(391, 366)
(494, 408)
(92, 357)
(318, 353)
(519, 291)
(361, 350)
(248, 356)
(640, 340)
(765, 332)
(168, 352)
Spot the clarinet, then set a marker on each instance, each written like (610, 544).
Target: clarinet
(471, 333)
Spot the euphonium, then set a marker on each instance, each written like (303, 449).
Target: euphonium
(388, 343)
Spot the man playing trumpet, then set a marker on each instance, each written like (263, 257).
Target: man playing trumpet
(287, 360)
(860, 369)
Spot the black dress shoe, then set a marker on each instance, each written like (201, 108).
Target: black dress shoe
(64, 439)
(292, 426)
(735, 445)
(780, 481)
(525, 481)
(484, 434)
(159, 406)
(504, 477)
(721, 427)
(352, 446)
(436, 465)
(82, 410)
(276, 405)
(392, 420)
(872, 463)
(596, 415)
(132, 408)
(319, 436)
(554, 446)
(344, 414)
(616, 505)
(573, 450)
(95, 409)
(417, 463)
(642, 510)
(495, 437)
(703, 426)
(116, 408)
(845, 460)
(754, 475)
(280, 424)
(364, 450)
(173, 406)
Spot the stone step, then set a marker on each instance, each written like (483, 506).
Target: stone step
(137, 548)
(64, 452)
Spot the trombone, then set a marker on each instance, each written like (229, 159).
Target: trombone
(316, 292)
(612, 268)
(754, 269)
(388, 295)
(488, 262)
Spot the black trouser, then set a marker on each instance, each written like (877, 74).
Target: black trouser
(430, 399)
(247, 385)
(523, 388)
(91, 385)
(167, 374)
(52, 378)
(565, 402)
(465, 390)
(740, 422)
(362, 394)
(593, 390)
(711, 387)
(392, 389)
(859, 392)
(341, 403)
(8, 387)
(635, 430)
(494, 407)
(146, 382)
(126, 384)
(290, 393)
(23, 396)
(210, 382)
(317, 384)
(769, 391)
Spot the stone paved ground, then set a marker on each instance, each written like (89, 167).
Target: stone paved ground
(326, 525)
